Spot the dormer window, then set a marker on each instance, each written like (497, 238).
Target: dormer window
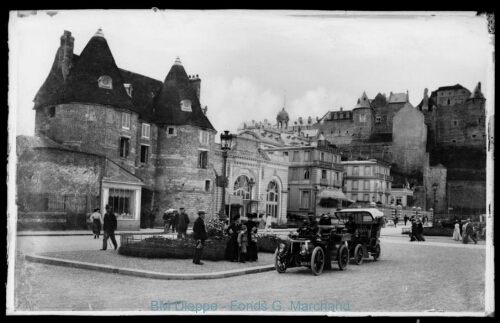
(186, 105)
(105, 82)
(128, 88)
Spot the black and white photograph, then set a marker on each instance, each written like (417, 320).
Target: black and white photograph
(250, 163)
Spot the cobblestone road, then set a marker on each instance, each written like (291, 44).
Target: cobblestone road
(409, 277)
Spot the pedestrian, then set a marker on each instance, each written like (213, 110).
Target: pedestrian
(242, 243)
(420, 231)
(167, 219)
(469, 230)
(252, 239)
(269, 222)
(95, 218)
(396, 219)
(425, 219)
(200, 235)
(413, 231)
(182, 225)
(406, 218)
(109, 227)
(456, 233)
(174, 221)
(152, 218)
(231, 252)
(461, 227)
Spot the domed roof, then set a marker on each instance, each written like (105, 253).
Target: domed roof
(282, 115)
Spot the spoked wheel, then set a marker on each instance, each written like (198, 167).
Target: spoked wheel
(343, 257)
(358, 254)
(278, 264)
(376, 253)
(317, 261)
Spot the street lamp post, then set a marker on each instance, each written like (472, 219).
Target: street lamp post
(251, 183)
(315, 189)
(225, 143)
(435, 187)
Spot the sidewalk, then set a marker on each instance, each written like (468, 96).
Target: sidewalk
(87, 232)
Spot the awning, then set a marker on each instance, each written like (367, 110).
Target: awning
(333, 194)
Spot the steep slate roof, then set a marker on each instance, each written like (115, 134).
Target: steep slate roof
(95, 61)
(477, 94)
(144, 89)
(448, 88)
(397, 98)
(379, 101)
(363, 102)
(167, 108)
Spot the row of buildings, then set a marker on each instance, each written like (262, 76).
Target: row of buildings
(105, 135)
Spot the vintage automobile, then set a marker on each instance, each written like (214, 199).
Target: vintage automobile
(364, 225)
(314, 248)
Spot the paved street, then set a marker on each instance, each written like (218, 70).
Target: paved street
(409, 277)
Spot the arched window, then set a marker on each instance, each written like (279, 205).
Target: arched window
(272, 199)
(241, 187)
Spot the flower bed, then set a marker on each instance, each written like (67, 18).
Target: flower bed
(161, 247)
(268, 243)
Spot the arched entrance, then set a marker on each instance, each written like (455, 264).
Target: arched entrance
(272, 199)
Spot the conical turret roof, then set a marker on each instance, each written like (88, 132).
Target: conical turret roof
(477, 94)
(167, 105)
(363, 102)
(82, 85)
(96, 61)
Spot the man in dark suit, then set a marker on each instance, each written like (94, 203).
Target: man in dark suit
(182, 225)
(200, 235)
(109, 227)
(469, 230)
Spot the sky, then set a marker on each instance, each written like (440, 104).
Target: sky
(254, 63)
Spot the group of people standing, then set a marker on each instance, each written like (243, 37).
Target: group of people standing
(176, 221)
(109, 224)
(242, 244)
(464, 231)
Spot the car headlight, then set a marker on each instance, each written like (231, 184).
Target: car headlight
(281, 247)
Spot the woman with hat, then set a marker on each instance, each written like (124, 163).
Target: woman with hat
(96, 222)
(456, 233)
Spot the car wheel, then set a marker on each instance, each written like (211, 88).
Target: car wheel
(278, 264)
(317, 261)
(358, 254)
(343, 257)
(376, 253)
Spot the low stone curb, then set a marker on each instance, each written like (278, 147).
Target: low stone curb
(145, 273)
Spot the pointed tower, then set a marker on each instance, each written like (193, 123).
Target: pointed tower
(83, 103)
(185, 159)
(363, 117)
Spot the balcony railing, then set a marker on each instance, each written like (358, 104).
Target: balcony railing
(337, 183)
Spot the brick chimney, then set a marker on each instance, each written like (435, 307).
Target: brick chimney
(66, 53)
(196, 84)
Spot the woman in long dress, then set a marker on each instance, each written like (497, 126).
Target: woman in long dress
(456, 232)
(96, 223)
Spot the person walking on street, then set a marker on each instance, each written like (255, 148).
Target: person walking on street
(200, 235)
(175, 220)
(469, 229)
(456, 232)
(413, 232)
(152, 218)
(243, 243)
(96, 222)
(109, 227)
(396, 219)
(182, 225)
(420, 230)
(405, 218)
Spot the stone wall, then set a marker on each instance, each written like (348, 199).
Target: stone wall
(467, 194)
(438, 175)
(179, 180)
(92, 128)
(409, 137)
